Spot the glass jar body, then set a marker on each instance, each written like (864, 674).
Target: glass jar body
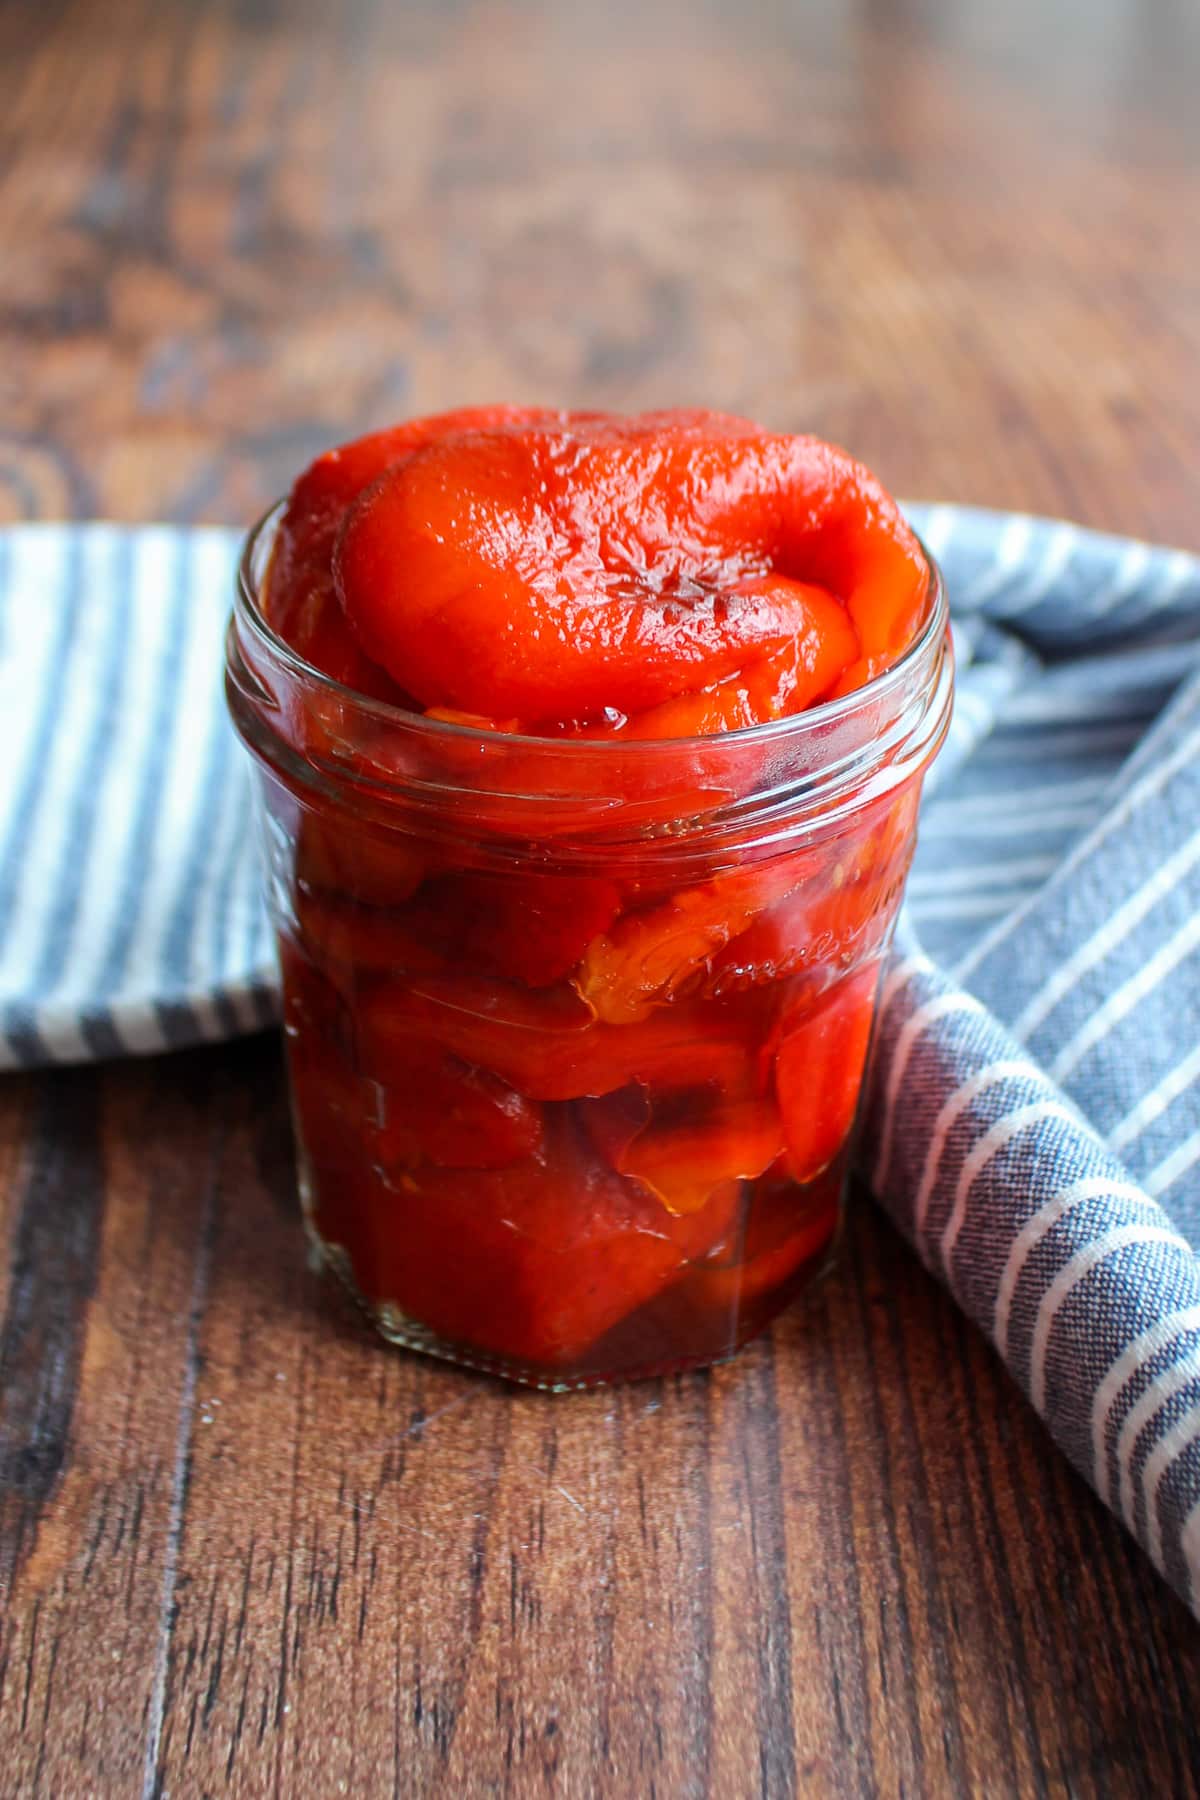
(575, 1034)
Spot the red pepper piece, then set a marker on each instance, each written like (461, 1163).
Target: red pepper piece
(650, 956)
(530, 1264)
(857, 673)
(333, 1109)
(708, 1226)
(313, 1007)
(301, 602)
(776, 685)
(785, 1229)
(642, 557)
(685, 1156)
(546, 1045)
(340, 856)
(614, 1120)
(437, 1108)
(841, 911)
(818, 1072)
(353, 941)
(783, 682)
(729, 1291)
(334, 1105)
(528, 927)
(811, 930)
(801, 933)
(304, 611)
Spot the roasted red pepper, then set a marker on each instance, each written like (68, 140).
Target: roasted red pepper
(303, 605)
(558, 1116)
(527, 1264)
(611, 567)
(818, 1069)
(548, 1043)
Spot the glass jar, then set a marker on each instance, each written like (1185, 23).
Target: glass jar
(576, 1027)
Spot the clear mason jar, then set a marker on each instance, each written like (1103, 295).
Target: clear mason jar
(576, 1027)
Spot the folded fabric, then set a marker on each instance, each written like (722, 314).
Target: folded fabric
(131, 917)
(1033, 1117)
(1033, 1120)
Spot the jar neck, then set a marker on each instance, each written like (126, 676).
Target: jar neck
(798, 778)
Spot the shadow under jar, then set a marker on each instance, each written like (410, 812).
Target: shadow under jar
(576, 1029)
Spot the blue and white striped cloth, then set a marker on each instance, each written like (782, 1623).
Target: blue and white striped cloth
(1034, 1110)
(1033, 1122)
(130, 911)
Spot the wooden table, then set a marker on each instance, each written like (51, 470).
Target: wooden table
(242, 1548)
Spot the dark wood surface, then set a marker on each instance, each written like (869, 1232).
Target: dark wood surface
(242, 1548)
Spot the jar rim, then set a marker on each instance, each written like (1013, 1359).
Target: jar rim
(923, 648)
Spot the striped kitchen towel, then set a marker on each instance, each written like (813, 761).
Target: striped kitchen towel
(130, 909)
(1033, 1121)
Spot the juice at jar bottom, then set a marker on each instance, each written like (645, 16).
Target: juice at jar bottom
(577, 1010)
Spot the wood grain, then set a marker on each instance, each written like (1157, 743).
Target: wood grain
(242, 1548)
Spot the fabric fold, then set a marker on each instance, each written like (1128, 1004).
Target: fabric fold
(1083, 1283)
(1033, 1118)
